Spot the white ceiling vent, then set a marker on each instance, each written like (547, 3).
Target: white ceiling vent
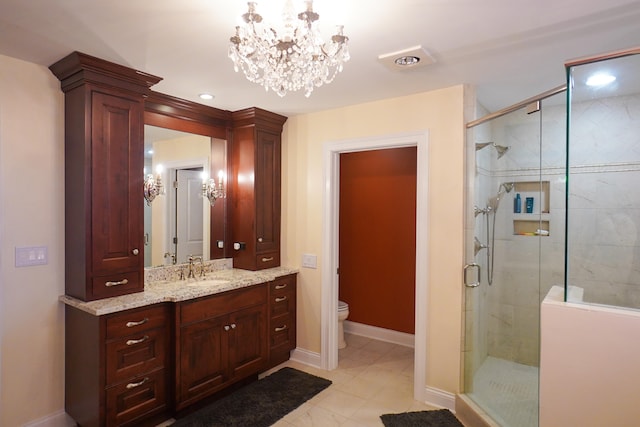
(407, 59)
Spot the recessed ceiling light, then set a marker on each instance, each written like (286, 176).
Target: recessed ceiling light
(407, 61)
(206, 96)
(600, 79)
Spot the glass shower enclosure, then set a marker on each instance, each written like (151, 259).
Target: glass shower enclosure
(603, 169)
(515, 244)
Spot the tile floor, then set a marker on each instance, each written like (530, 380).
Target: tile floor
(373, 378)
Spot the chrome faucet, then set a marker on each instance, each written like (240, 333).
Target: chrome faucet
(191, 271)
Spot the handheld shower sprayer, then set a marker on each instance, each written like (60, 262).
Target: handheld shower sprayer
(503, 189)
(492, 206)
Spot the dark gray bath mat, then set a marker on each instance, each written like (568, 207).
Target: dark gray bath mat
(259, 404)
(438, 418)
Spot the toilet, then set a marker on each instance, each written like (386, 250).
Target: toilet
(343, 312)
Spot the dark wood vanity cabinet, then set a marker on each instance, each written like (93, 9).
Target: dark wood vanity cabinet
(118, 369)
(220, 340)
(104, 107)
(140, 366)
(255, 208)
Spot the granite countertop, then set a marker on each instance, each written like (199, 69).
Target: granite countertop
(180, 290)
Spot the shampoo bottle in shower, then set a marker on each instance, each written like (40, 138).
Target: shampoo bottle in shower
(517, 204)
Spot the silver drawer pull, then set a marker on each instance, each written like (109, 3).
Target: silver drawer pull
(281, 328)
(227, 327)
(233, 326)
(260, 239)
(121, 282)
(138, 384)
(138, 323)
(281, 299)
(134, 342)
(281, 286)
(267, 259)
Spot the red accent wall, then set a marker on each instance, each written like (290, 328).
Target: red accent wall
(377, 237)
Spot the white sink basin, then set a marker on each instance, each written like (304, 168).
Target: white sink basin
(207, 282)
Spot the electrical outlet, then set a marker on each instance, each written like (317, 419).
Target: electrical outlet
(31, 255)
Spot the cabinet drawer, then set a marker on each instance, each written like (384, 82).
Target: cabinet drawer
(282, 285)
(143, 396)
(282, 330)
(134, 355)
(267, 260)
(282, 302)
(222, 304)
(116, 284)
(135, 321)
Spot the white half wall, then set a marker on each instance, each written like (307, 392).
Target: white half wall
(590, 364)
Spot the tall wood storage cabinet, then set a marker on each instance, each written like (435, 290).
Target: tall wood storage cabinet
(104, 110)
(255, 210)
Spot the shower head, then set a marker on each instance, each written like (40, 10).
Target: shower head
(500, 149)
(507, 186)
(503, 189)
(481, 145)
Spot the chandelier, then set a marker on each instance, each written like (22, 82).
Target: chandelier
(296, 59)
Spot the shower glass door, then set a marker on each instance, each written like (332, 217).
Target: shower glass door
(515, 235)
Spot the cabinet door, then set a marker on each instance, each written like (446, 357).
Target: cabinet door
(116, 183)
(248, 341)
(267, 192)
(203, 359)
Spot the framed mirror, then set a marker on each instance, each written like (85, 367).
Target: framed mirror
(185, 146)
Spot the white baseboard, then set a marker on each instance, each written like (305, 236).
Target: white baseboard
(306, 357)
(380, 334)
(440, 398)
(58, 419)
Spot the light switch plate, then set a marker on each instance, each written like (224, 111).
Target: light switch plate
(309, 261)
(28, 256)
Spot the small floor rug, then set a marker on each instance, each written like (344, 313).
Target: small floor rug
(259, 404)
(438, 418)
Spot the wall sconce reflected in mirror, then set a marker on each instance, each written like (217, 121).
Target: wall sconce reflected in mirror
(210, 190)
(153, 186)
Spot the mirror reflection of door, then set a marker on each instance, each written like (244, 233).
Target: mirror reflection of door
(188, 219)
(177, 151)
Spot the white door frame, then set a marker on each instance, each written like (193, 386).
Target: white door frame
(331, 158)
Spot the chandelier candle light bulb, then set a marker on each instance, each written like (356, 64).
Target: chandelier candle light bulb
(296, 59)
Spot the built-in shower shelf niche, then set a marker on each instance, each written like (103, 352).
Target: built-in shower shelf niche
(526, 227)
(536, 222)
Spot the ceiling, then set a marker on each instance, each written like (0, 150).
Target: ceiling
(509, 50)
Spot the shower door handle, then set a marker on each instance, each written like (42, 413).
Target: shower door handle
(466, 274)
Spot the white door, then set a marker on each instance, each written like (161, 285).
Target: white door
(189, 214)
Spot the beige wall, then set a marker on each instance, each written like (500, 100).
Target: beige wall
(589, 373)
(441, 113)
(32, 214)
